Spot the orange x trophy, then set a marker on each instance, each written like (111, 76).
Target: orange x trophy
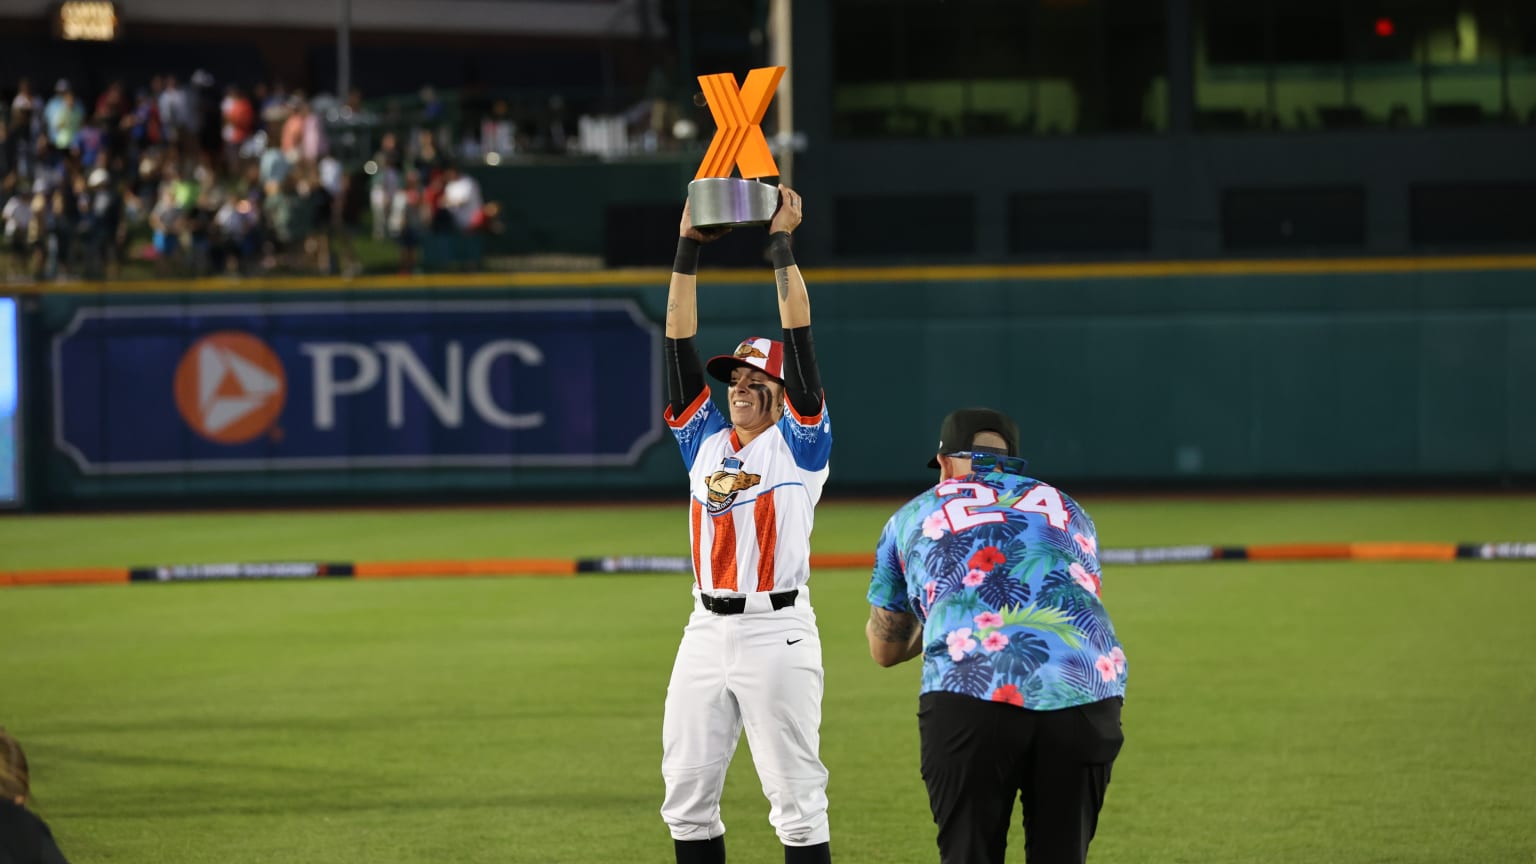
(715, 198)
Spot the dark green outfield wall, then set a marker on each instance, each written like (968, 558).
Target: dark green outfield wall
(1183, 379)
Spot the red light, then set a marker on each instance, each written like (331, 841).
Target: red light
(1384, 27)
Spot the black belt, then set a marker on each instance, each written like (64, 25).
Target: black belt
(738, 605)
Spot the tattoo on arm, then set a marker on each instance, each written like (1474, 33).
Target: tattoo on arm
(671, 305)
(782, 278)
(892, 626)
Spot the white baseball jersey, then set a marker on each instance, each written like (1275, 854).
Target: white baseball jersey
(752, 506)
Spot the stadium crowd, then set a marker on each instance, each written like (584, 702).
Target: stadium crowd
(190, 178)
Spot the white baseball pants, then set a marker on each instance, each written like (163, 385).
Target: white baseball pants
(759, 670)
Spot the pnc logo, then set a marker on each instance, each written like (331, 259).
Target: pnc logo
(230, 387)
(738, 138)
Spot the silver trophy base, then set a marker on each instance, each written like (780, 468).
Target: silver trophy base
(720, 202)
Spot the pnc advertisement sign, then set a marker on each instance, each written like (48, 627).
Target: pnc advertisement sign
(226, 387)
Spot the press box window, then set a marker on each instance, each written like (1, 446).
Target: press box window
(1324, 64)
(875, 225)
(1472, 216)
(1046, 223)
(912, 68)
(1293, 219)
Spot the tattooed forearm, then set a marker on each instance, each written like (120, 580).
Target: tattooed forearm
(782, 278)
(893, 636)
(671, 305)
(891, 626)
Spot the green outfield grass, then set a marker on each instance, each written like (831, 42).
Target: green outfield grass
(1322, 712)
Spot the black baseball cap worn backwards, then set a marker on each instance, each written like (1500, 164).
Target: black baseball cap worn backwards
(960, 427)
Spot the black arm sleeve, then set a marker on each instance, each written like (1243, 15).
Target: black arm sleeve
(802, 379)
(685, 374)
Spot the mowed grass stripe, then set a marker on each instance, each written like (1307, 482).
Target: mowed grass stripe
(126, 540)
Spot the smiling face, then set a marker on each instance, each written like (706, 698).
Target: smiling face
(756, 400)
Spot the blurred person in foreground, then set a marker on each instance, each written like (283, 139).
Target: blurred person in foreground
(24, 838)
(992, 577)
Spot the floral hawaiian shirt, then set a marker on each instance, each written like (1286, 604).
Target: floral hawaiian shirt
(1002, 571)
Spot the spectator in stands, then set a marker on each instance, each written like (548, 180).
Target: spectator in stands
(431, 105)
(307, 200)
(292, 135)
(15, 224)
(103, 226)
(24, 110)
(143, 124)
(38, 229)
(63, 116)
(238, 118)
(277, 214)
(275, 165)
(90, 144)
(462, 199)
(497, 131)
(273, 107)
(207, 108)
(313, 144)
(556, 125)
(90, 172)
(144, 183)
(425, 157)
(237, 243)
(384, 182)
(24, 838)
(25, 123)
(331, 240)
(175, 114)
(111, 107)
(165, 220)
(48, 165)
(63, 228)
(406, 219)
(198, 222)
(351, 202)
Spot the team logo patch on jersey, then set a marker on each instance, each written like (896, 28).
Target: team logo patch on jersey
(725, 483)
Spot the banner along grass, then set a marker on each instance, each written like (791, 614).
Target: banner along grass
(1338, 712)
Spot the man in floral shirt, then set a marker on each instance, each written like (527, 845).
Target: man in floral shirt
(993, 578)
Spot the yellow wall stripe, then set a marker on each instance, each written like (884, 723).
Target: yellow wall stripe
(657, 277)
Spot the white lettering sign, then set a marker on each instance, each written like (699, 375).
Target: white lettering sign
(398, 364)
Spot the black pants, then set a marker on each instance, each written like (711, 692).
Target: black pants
(976, 755)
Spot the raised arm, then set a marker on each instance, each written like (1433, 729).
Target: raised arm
(794, 302)
(682, 293)
(685, 372)
(802, 377)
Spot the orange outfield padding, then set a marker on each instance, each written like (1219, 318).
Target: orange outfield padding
(76, 576)
(484, 567)
(1403, 551)
(1300, 552)
(1353, 552)
(561, 567)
